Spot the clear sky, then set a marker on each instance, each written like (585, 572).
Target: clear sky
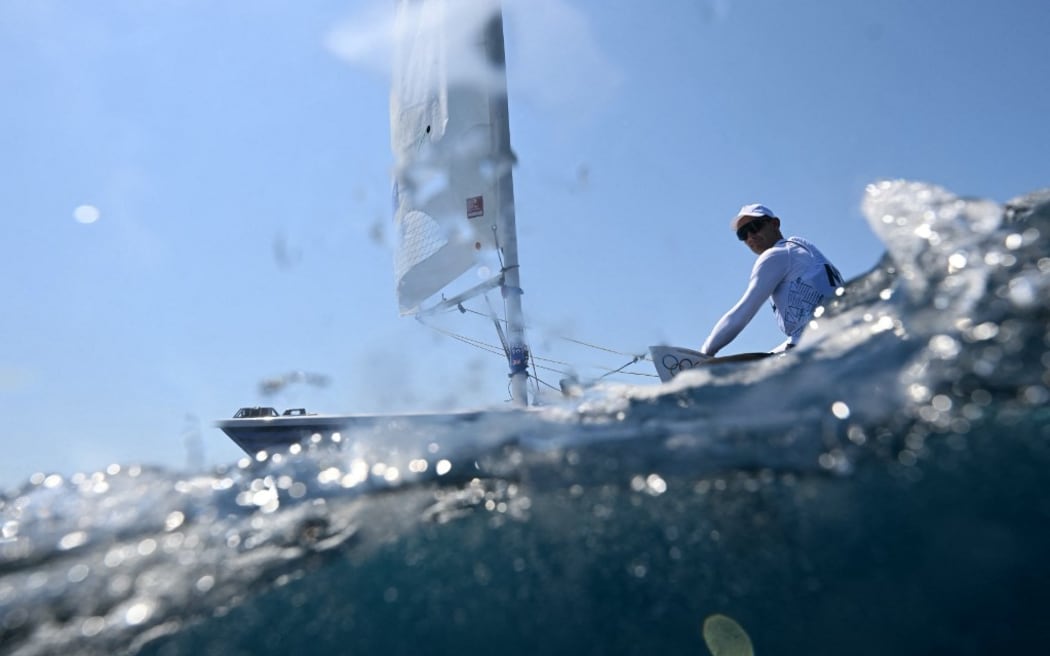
(195, 195)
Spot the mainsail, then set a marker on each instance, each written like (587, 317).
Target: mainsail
(453, 192)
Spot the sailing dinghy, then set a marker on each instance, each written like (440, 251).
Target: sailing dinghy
(453, 193)
(454, 210)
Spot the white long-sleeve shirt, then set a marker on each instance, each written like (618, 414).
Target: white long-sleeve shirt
(796, 276)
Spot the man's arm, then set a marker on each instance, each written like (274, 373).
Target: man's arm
(768, 272)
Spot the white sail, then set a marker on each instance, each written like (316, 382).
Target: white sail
(450, 133)
(448, 163)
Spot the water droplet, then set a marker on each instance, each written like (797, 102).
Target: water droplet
(78, 573)
(137, 613)
(840, 410)
(655, 484)
(92, 626)
(330, 475)
(944, 347)
(86, 214)
(984, 331)
(1036, 395)
(72, 540)
(724, 637)
(173, 520)
(1023, 292)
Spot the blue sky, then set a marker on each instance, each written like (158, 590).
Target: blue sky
(236, 157)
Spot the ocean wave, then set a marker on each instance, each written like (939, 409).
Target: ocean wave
(808, 496)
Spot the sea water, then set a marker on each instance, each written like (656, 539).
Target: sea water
(882, 489)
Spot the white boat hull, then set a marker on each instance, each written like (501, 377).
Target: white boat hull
(280, 433)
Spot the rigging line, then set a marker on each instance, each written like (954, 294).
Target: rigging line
(540, 381)
(561, 372)
(457, 336)
(616, 371)
(464, 310)
(478, 345)
(495, 350)
(488, 348)
(485, 346)
(480, 314)
(603, 367)
(499, 251)
(571, 368)
(639, 373)
(535, 373)
(565, 372)
(600, 348)
(496, 321)
(553, 370)
(495, 242)
(578, 341)
(562, 362)
(534, 358)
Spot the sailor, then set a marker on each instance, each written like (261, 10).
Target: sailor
(792, 273)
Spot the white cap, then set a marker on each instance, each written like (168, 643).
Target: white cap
(753, 210)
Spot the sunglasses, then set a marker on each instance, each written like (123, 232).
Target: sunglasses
(750, 228)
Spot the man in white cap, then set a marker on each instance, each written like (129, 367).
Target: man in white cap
(791, 272)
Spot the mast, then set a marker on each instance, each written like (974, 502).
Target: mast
(517, 350)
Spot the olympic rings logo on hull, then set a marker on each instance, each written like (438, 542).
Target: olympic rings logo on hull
(675, 364)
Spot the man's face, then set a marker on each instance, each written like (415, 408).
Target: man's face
(761, 232)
